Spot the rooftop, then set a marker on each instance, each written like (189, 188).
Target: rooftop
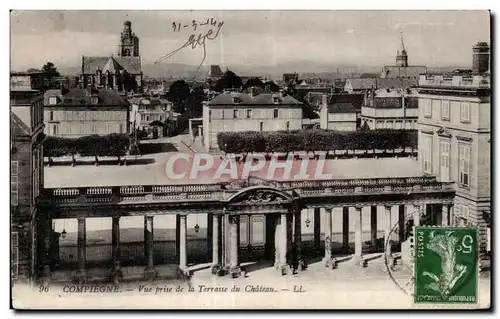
(74, 97)
(455, 81)
(231, 98)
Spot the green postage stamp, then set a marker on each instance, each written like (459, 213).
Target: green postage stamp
(446, 265)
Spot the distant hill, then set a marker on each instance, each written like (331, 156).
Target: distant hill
(128, 235)
(306, 69)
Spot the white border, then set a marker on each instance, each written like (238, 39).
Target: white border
(186, 4)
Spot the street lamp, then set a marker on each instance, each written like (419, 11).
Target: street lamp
(63, 233)
(308, 221)
(196, 227)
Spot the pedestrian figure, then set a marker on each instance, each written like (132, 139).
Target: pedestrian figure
(293, 260)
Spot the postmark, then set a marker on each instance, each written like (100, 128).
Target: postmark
(446, 265)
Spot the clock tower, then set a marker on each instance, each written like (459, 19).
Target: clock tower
(129, 42)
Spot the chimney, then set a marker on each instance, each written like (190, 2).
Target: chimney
(480, 58)
(253, 92)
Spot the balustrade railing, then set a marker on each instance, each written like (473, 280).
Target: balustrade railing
(216, 191)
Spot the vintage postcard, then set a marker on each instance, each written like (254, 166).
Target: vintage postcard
(250, 159)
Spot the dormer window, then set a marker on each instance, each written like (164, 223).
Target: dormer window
(52, 100)
(94, 100)
(236, 100)
(276, 100)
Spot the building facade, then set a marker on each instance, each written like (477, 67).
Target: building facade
(337, 112)
(237, 112)
(390, 109)
(122, 72)
(79, 112)
(454, 142)
(145, 111)
(26, 173)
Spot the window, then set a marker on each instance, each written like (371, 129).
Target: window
(445, 160)
(94, 100)
(209, 116)
(261, 126)
(428, 108)
(276, 100)
(463, 216)
(14, 183)
(288, 126)
(249, 114)
(221, 114)
(235, 114)
(464, 165)
(445, 110)
(147, 118)
(275, 115)
(427, 154)
(51, 115)
(14, 254)
(52, 100)
(465, 112)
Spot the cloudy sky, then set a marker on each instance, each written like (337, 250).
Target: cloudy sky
(370, 38)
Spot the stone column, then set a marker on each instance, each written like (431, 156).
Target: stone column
(358, 236)
(416, 215)
(224, 241)
(177, 237)
(82, 251)
(298, 233)
(149, 272)
(445, 215)
(183, 243)
(317, 230)
(402, 222)
(210, 234)
(345, 229)
(115, 247)
(328, 236)
(277, 242)
(451, 215)
(387, 233)
(215, 241)
(283, 243)
(234, 266)
(289, 231)
(45, 226)
(374, 228)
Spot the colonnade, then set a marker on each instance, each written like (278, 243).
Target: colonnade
(223, 238)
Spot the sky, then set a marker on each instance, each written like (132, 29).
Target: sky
(264, 38)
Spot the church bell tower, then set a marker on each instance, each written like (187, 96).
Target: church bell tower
(129, 42)
(402, 57)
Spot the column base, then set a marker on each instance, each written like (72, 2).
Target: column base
(218, 270)
(360, 262)
(327, 261)
(116, 274)
(235, 272)
(81, 277)
(149, 274)
(282, 269)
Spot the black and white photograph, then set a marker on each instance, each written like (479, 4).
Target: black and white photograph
(250, 159)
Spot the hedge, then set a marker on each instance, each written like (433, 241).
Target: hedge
(92, 145)
(315, 140)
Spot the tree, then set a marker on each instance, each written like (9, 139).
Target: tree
(178, 94)
(50, 74)
(194, 103)
(270, 86)
(253, 82)
(228, 81)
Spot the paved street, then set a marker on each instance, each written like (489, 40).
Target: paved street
(348, 286)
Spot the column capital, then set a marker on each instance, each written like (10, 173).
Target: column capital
(358, 207)
(416, 205)
(388, 207)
